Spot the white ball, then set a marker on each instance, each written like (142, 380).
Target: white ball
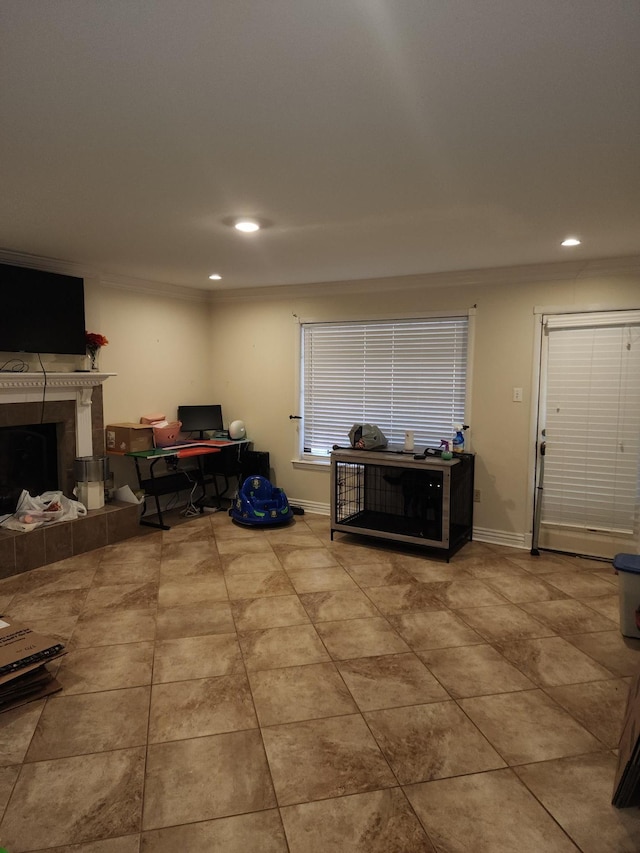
(237, 429)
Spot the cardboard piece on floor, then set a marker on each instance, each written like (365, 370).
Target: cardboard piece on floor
(626, 789)
(23, 675)
(24, 684)
(20, 647)
(11, 675)
(40, 692)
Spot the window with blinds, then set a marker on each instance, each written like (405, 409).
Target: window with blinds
(592, 413)
(398, 374)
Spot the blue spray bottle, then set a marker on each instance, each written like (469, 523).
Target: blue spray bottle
(458, 439)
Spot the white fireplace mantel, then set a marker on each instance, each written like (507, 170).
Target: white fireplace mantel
(18, 387)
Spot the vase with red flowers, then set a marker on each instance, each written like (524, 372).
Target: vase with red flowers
(94, 342)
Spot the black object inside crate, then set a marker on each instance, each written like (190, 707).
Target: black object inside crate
(397, 500)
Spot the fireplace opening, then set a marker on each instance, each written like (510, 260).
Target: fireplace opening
(28, 460)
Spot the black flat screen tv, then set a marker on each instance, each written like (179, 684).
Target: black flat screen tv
(200, 418)
(41, 312)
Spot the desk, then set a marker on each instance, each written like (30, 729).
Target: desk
(234, 457)
(174, 481)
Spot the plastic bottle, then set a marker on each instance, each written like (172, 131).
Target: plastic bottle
(445, 453)
(457, 444)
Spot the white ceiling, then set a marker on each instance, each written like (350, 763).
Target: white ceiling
(376, 137)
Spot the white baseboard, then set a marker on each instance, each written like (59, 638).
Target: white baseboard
(502, 537)
(312, 506)
(480, 534)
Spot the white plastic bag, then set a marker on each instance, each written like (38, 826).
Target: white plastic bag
(46, 508)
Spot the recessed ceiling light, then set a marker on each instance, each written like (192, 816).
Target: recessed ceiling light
(215, 277)
(247, 225)
(571, 241)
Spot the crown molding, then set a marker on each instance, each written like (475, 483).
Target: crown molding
(20, 259)
(104, 279)
(521, 274)
(629, 265)
(155, 288)
(525, 273)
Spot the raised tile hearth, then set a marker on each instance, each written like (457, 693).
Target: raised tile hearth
(20, 552)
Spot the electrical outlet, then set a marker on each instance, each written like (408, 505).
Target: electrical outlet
(476, 496)
(517, 395)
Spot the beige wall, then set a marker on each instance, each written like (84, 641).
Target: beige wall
(243, 351)
(255, 353)
(160, 349)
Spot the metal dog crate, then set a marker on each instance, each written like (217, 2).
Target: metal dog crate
(388, 495)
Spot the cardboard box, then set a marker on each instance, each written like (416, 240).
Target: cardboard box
(626, 788)
(23, 674)
(20, 647)
(124, 438)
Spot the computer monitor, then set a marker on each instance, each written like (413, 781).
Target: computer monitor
(201, 419)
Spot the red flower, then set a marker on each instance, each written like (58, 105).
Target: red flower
(94, 340)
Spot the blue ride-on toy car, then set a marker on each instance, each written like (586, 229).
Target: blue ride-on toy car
(260, 504)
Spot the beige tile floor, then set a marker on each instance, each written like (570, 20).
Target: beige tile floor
(235, 690)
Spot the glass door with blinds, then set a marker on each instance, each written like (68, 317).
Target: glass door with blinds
(590, 413)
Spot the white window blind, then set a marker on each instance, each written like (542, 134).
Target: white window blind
(592, 414)
(398, 374)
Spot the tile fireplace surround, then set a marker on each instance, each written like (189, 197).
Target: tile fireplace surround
(75, 401)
